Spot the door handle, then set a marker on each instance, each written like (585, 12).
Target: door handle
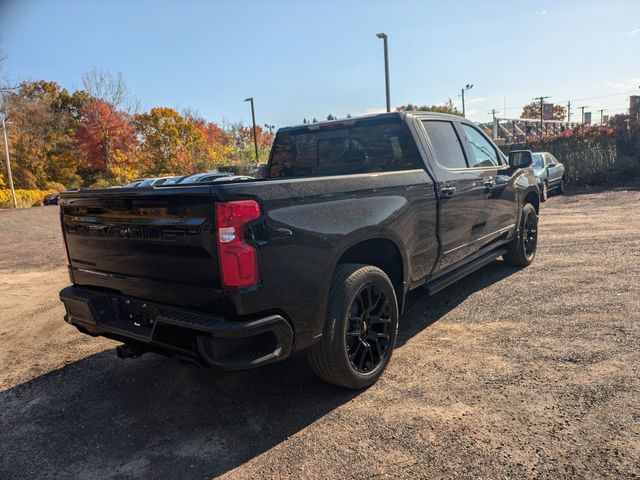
(447, 191)
(487, 184)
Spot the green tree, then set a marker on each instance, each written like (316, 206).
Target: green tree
(446, 107)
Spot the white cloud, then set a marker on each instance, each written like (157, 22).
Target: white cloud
(541, 12)
(633, 32)
(624, 86)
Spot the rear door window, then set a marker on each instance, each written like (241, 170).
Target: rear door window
(446, 143)
(373, 146)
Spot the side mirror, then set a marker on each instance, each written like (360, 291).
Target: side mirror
(520, 158)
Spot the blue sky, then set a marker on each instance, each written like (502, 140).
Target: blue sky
(311, 58)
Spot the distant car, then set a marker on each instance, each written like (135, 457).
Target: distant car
(205, 177)
(135, 183)
(51, 199)
(154, 182)
(233, 178)
(550, 173)
(174, 180)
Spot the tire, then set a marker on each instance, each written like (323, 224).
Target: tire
(522, 248)
(561, 186)
(544, 193)
(360, 330)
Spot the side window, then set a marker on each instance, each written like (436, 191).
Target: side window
(538, 161)
(484, 152)
(446, 144)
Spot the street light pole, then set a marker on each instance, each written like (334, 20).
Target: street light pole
(270, 127)
(255, 134)
(468, 86)
(6, 155)
(383, 36)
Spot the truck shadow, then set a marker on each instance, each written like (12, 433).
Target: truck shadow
(154, 417)
(422, 310)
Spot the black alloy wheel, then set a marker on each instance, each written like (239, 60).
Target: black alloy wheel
(368, 328)
(360, 329)
(522, 249)
(530, 234)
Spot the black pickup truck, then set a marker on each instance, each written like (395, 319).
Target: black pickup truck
(319, 255)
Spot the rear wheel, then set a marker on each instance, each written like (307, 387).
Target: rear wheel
(522, 248)
(360, 328)
(561, 186)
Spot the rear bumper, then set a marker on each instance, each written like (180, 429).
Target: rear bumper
(210, 340)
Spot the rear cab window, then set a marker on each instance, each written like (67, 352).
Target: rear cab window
(349, 147)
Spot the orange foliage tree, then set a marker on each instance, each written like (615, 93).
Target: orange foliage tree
(102, 132)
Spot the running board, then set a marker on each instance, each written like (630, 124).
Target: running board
(463, 271)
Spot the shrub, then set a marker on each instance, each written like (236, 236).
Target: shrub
(25, 198)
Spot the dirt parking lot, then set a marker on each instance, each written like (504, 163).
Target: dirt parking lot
(509, 373)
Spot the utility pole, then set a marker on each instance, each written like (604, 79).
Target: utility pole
(541, 112)
(255, 133)
(582, 109)
(569, 111)
(6, 155)
(495, 123)
(601, 116)
(383, 36)
(468, 86)
(270, 127)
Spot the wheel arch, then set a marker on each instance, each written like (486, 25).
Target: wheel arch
(532, 196)
(382, 252)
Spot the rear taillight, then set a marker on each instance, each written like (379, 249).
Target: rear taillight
(64, 236)
(238, 260)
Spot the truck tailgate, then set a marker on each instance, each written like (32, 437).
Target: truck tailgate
(160, 245)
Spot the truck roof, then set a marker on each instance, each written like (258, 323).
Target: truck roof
(353, 120)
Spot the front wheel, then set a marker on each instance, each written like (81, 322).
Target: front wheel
(360, 328)
(544, 195)
(522, 248)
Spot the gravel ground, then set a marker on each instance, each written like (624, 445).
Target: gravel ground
(508, 373)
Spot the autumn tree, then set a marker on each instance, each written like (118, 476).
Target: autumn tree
(532, 110)
(243, 138)
(172, 144)
(221, 147)
(42, 118)
(104, 114)
(104, 133)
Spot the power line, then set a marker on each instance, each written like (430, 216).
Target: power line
(605, 96)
